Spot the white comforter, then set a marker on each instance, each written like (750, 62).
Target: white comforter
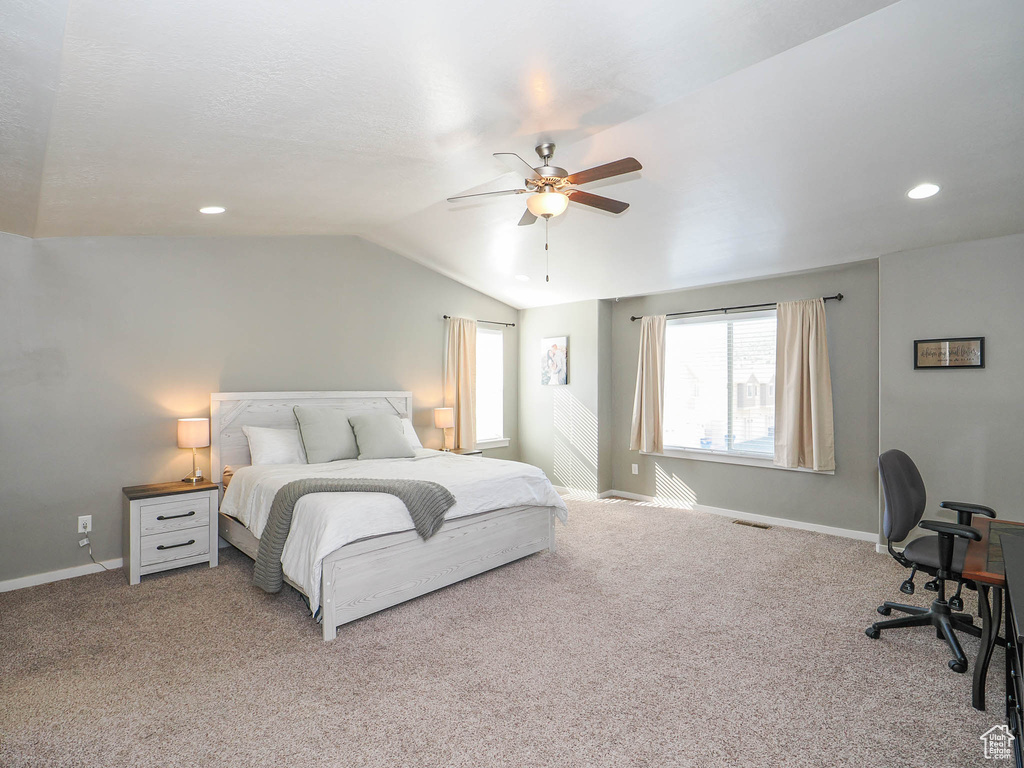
(323, 522)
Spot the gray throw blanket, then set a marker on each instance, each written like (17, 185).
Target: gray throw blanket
(426, 501)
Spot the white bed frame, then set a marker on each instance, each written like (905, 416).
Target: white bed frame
(373, 574)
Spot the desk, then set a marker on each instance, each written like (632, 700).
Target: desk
(983, 564)
(1013, 548)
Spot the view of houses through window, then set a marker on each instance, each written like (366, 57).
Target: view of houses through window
(720, 383)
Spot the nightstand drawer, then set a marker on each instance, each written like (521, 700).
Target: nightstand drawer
(162, 516)
(162, 547)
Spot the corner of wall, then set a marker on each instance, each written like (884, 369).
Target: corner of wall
(605, 364)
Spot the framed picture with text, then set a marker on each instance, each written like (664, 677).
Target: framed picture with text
(966, 352)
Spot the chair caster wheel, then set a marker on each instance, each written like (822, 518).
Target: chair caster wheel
(873, 633)
(956, 603)
(958, 666)
(885, 610)
(932, 586)
(907, 587)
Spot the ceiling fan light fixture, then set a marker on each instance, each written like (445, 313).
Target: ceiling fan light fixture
(547, 204)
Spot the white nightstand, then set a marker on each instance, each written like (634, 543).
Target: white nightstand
(169, 525)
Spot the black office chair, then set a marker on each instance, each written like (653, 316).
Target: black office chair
(941, 556)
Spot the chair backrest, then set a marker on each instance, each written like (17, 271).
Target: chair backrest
(905, 497)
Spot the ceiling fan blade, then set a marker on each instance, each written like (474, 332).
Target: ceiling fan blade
(488, 194)
(528, 218)
(517, 164)
(619, 167)
(596, 201)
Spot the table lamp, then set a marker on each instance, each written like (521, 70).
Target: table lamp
(193, 433)
(444, 419)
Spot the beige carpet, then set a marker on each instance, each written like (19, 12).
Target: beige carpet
(654, 637)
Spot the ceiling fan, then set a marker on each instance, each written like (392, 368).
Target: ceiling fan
(552, 187)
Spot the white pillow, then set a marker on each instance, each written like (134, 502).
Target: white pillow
(274, 446)
(410, 434)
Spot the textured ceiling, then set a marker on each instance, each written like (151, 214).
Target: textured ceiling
(31, 34)
(774, 136)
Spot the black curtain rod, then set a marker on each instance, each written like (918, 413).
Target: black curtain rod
(837, 297)
(489, 322)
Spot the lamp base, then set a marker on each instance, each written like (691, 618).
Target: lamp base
(196, 475)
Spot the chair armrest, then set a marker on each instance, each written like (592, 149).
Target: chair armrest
(963, 506)
(950, 529)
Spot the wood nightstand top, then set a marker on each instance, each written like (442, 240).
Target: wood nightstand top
(133, 492)
(467, 451)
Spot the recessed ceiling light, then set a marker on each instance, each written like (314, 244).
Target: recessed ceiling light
(522, 278)
(921, 191)
(212, 209)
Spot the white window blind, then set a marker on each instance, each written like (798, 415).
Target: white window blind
(720, 384)
(490, 378)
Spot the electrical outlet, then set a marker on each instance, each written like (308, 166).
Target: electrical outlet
(84, 523)
(636, 469)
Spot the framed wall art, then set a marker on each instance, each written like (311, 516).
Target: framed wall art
(966, 352)
(554, 361)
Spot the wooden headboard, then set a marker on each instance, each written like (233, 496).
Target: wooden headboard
(230, 411)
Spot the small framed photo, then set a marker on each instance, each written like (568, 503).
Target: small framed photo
(554, 361)
(967, 352)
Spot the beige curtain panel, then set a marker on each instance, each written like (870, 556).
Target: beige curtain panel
(460, 379)
(804, 430)
(646, 433)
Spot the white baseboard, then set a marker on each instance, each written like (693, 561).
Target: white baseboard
(576, 493)
(782, 522)
(635, 497)
(63, 573)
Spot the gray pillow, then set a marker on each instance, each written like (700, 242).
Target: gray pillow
(326, 434)
(380, 436)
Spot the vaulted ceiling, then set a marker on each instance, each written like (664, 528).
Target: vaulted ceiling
(774, 136)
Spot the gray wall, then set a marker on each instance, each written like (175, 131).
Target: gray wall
(963, 428)
(848, 499)
(559, 426)
(107, 341)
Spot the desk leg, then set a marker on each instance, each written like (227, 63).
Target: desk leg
(991, 613)
(1011, 703)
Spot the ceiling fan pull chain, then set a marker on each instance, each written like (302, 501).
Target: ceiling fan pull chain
(547, 256)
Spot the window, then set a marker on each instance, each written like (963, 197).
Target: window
(716, 370)
(490, 378)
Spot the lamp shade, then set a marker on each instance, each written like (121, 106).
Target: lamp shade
(547, 203)
(444, 418)
(193, 433)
